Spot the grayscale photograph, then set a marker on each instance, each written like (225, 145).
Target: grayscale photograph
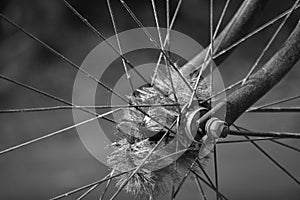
(149, 99)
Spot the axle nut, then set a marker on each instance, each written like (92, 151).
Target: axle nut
(216, 128)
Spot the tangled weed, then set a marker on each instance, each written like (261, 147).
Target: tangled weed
(135, 129)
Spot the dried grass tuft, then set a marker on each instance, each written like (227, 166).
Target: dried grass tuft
(134, 145)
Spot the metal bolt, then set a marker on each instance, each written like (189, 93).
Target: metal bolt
(216, 128)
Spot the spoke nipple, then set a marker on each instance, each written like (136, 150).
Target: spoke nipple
(216, 128)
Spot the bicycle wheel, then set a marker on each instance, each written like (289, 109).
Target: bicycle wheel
(38, 170)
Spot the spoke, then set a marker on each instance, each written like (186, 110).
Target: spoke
(47, 95)
(107, 185)
(286, 145)
(176, 167)
(100, 35)
(212, 43)
(265, 108)
(274, 161)
(168, 43)
(61, 107)
(210, 51)
(154, 42)
(139, 23)
(172, 86)
(89, 185)
(237, 43)
(200, 188)
(81, 107)
(81, 70)
(274, 109)
(254, 32)
(222, 91)
(167, 38)
(34, 89)
(196, 161)
(271, 158)
(264, 134)
(162, 47)
(142, 163)
(210, 181)
(208, 184)
(99, 82)
(217, 28)
(157, 24)
(206, 175)
(173, 191)
(203, 66)
(221, 18)
(243, 39)
(174, 17)
(270, 42)
(168, 23)
(54, 133)
(87, 192)
(216, 172)
(21, 110)
(184, 178)
(170, 155)
(119, 44)
(85, 73)
(253, 139)
(38, 41)
(278, 102)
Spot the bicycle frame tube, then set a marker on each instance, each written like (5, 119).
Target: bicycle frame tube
(236, 29)
(260, 82)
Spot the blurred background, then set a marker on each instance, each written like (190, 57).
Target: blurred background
(61, 163)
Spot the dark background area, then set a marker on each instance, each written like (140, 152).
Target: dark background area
(61, 163)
